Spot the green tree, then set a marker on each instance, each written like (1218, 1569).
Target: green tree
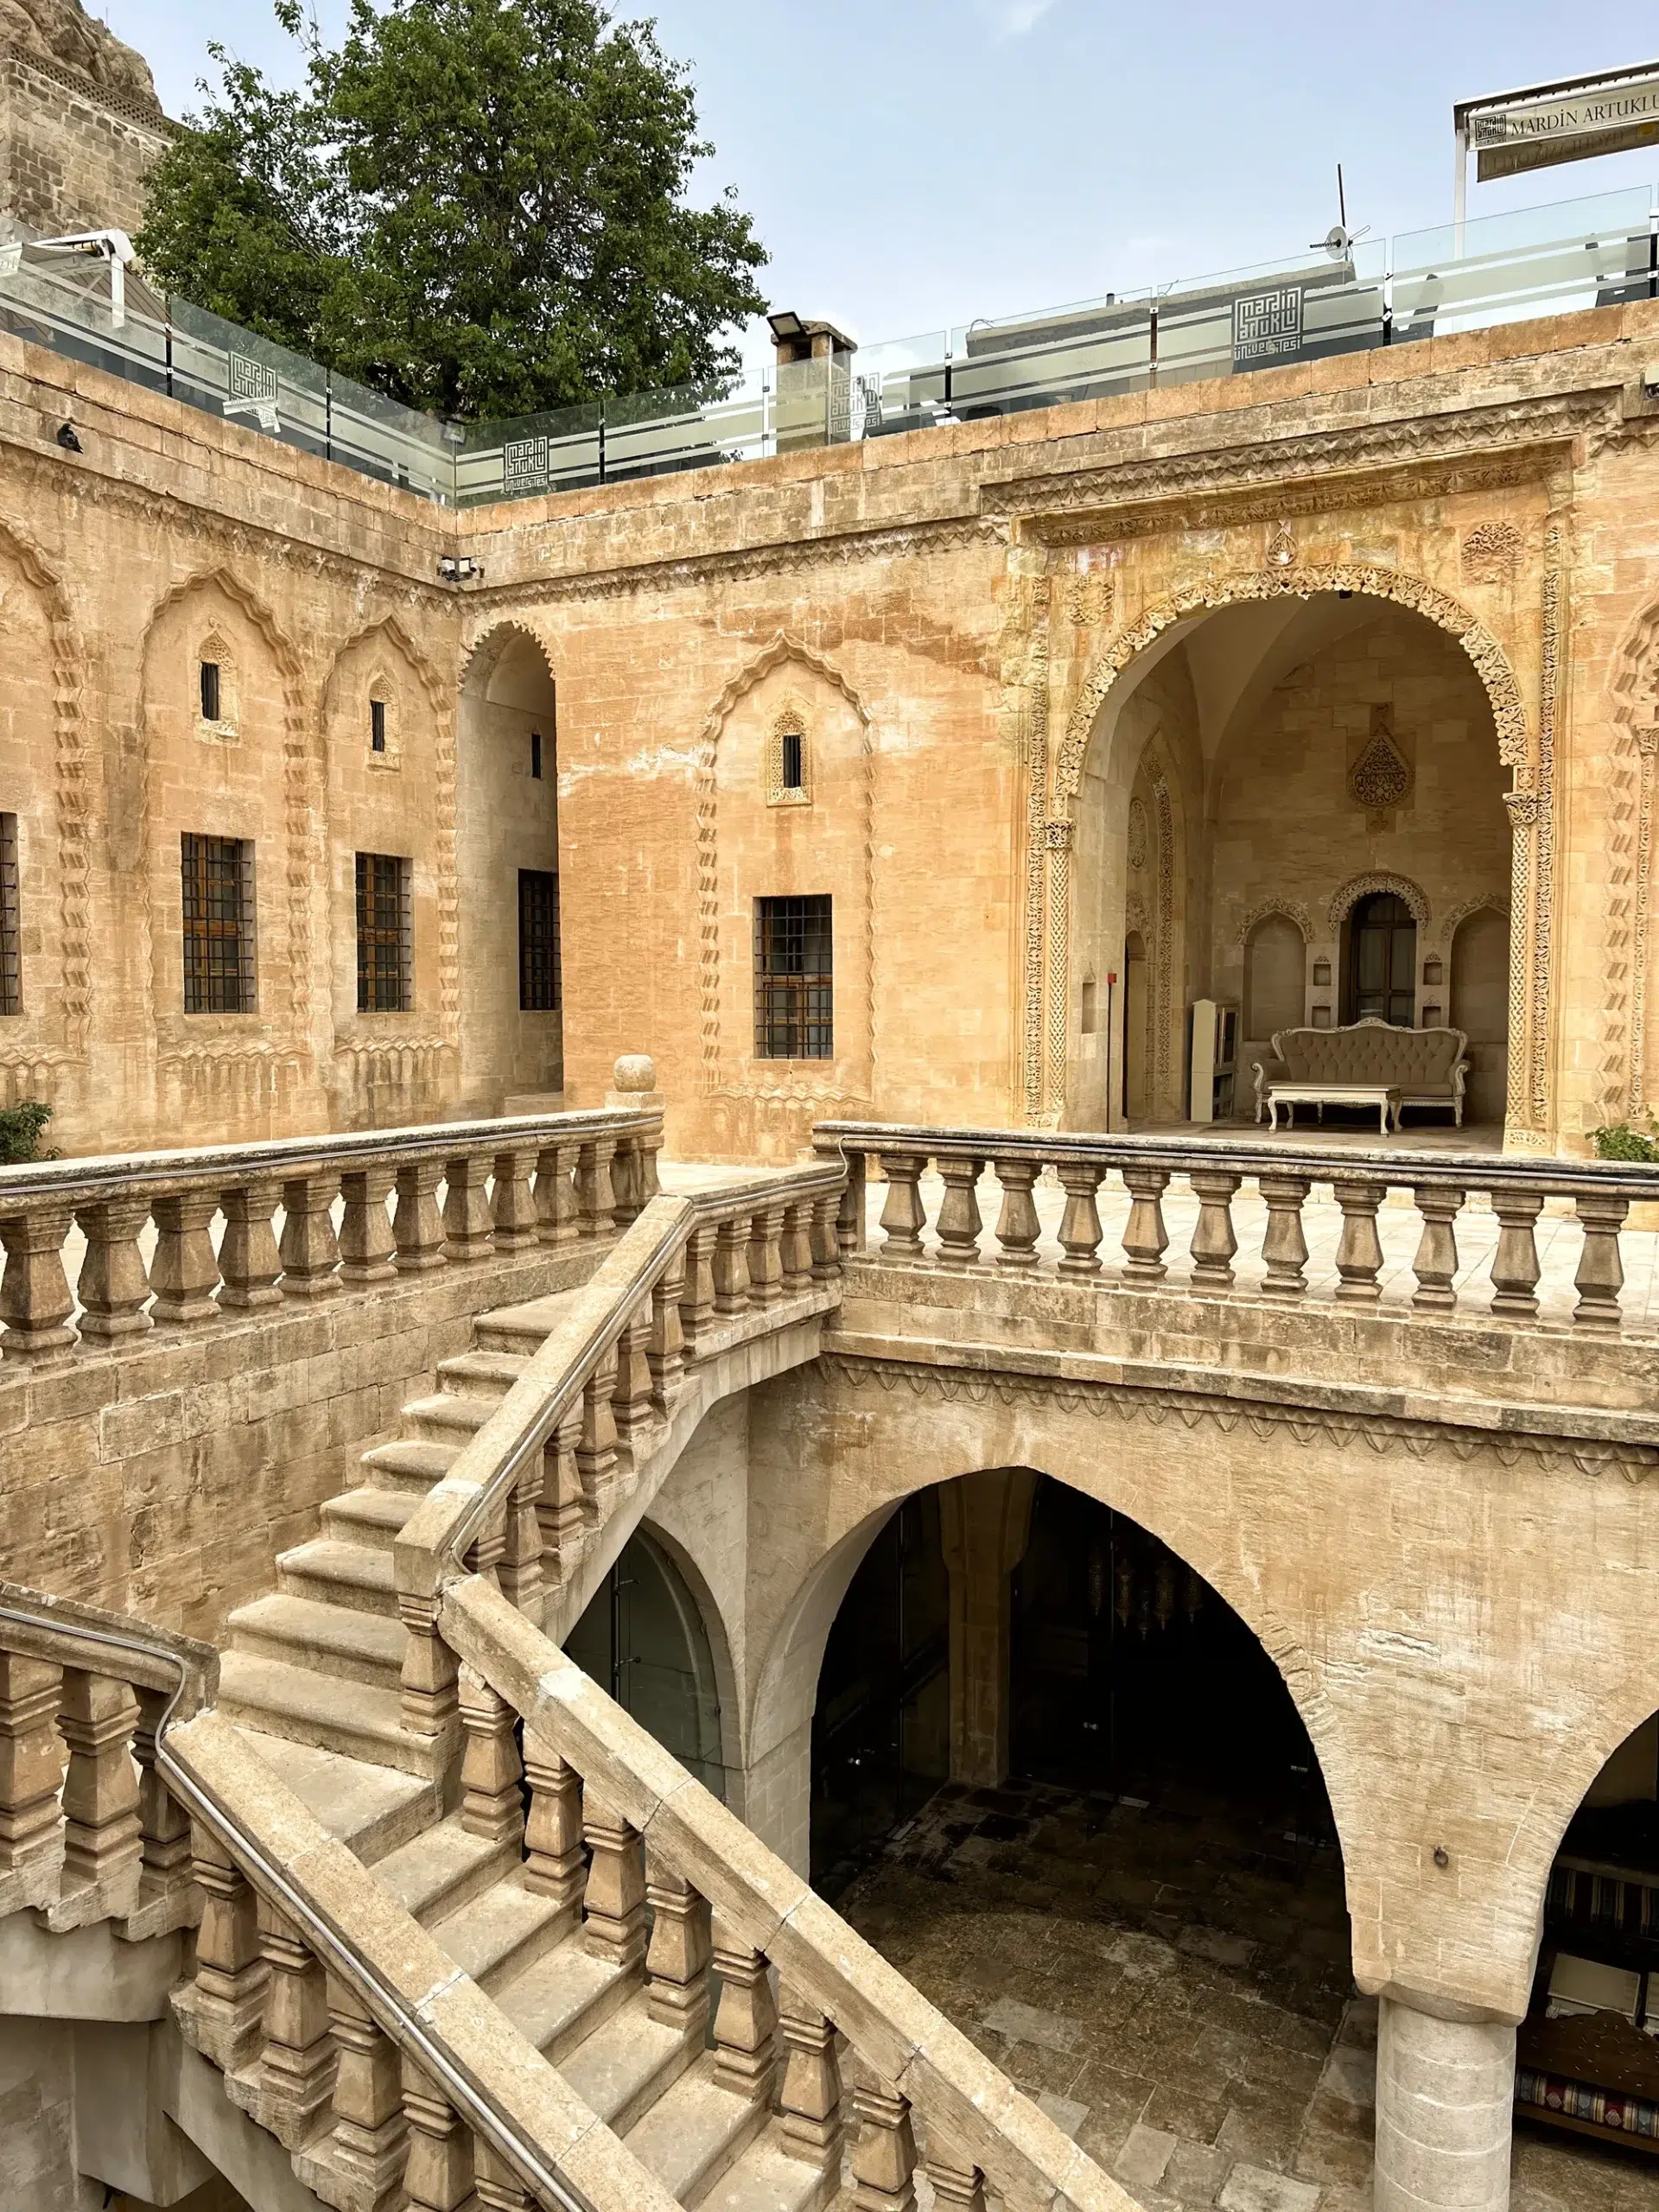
(476, 207)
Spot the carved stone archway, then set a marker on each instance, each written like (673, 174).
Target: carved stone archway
(1526, 750)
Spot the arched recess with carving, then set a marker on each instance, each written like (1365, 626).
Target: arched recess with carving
(43, 742)
(1348, 895)
(1629, 1052)
(1526, 752)
(229, 1074)
(748, 848)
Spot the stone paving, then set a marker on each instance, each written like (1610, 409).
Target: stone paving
(1170, 1980)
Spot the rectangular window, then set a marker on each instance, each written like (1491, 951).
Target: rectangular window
(218, 914)
(11, 921)
(209, 670)
(384, 946)
(538, 940)
(377, 725)
(792, 777)
(793, 979)
(536, 754)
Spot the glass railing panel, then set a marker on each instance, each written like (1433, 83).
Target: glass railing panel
(529, 455)
(657, 433)
(900, 385)
(67, 308)
(1092, 351)
(399, 445)
(249, 379)
(1302, 308)
(1533, 261)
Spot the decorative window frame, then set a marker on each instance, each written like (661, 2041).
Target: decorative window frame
(382, 685)
(227, 729)
(790, 721)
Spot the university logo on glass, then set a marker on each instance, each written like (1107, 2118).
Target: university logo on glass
(251, 389)
(523, 465)
(1267, 325)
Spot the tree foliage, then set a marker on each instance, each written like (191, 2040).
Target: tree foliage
(478, 207)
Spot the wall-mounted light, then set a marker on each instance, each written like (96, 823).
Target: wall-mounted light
(460, 568)
(786, 324)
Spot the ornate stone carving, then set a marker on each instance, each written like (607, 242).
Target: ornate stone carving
(1137, 846)
(791, 722)
(1629, 833)
(1446, 928)
(1292, 909)
(1089, 600)
(1491, 553)
(1380, 777)
(1343, 901)
(1281, 548)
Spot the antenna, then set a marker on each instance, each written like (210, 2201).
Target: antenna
(1339, 241)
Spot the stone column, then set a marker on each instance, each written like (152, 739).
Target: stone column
(985, 1523)
(1444, 2098)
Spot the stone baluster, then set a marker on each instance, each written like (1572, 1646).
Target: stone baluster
(809, 2098)
(851, 1210)
(1017, 1225)
(518, 1576)
(113, 1283)
(558, 1216)
(697, 1300)
(1214, 1238)
(427, 1693)
(795, 1250)
(371, 2135)
(1080, 1222)
(1436, 1264)
(1359, 1250)
(416, 1224)
(512, 1202)
(958, 2185)
(296, 2078)
(468, 1233)
(626, 1179)
(497, 2180)
(745, 2019)
(595, 1195)
(597, 1446)
(103, 1836)
(184, 1274)
(34, 1300)
(614, 1918)
(826, 1238)
(227, 1997)
(677, 1958)
(31, 1772)
(555, 1864)
(491, 1804)
(1601, 1270)
(903, 1214)
(631, 1398)
(648, 1143)
(766, 1256)
(562, 1510)
(731, 1268)
(165, 1897)
(1514, 1263)
(249, 1266)
(1144, 1237)
(367, 1247)
(1284, 1246)
(665, 1351)
(959, 1224)
(310, 1252)
(884, 2157)
(438, 2168)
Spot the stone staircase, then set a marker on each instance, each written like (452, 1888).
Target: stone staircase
(311, 1678)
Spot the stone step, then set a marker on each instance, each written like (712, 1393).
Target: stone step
(444, 1869)
(339, 1574)
(371, 1808)
(370, 1517)
(318, 1709)
(495, 1937)
(338, 1640)
(763, 2178)
(409, 1465)
(482, 1373)
(628, 2063)
(565, 1996)
(695, 2130)
(521, 1328)
(446, 1419)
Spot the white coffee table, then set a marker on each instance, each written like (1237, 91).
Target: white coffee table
(1384, 1096)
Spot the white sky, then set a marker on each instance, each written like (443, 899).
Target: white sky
(915, 163)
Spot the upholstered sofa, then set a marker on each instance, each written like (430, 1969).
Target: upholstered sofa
(1427, 1066)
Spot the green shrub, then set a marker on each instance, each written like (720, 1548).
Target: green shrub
(1618, 1140)
(20, 1131)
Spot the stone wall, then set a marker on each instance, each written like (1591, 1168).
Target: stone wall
(72, 158)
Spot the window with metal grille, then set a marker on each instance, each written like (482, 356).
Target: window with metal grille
(209, 670)
(538, 940)
(11, 921)
(219, 912)
(377, 725)
(384, 948)
(794, 988)
(794, 778)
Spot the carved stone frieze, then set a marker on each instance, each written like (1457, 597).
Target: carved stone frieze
(1491, 553)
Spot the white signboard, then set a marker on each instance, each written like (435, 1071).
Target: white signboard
(1571, 124)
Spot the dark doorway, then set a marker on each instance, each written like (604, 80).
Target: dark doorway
(642, 1638)
(1380, 976)
(881, 1727)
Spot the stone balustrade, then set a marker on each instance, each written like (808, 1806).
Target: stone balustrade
(302, 1219)
(960, 1237)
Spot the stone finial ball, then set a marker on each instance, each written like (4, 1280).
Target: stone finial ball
(635, 1072)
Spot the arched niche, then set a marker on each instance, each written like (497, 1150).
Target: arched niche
(643, 1638)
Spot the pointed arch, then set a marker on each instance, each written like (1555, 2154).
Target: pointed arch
(1291, 910)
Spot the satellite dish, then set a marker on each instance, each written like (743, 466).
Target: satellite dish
(1337, 242)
